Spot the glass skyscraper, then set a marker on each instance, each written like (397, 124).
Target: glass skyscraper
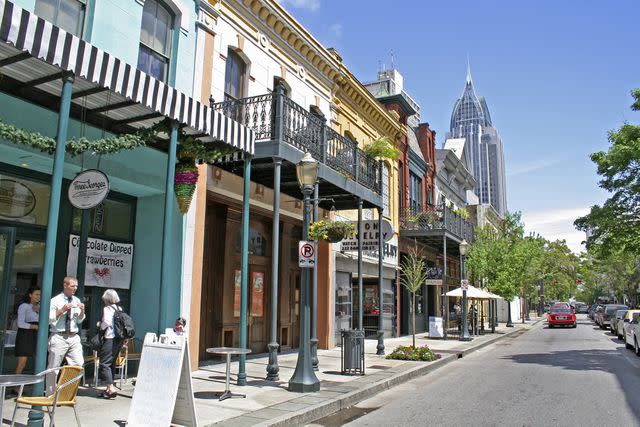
(482, 154)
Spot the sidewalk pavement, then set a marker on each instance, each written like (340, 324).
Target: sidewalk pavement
(269, 403)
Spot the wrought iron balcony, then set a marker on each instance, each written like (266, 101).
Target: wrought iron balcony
(434, 220)
(275, 117)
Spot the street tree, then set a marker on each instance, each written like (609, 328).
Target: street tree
(414, 276)
(615, 226)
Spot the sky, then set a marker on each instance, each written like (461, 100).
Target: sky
(557, 76)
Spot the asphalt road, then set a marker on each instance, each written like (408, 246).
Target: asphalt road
(543, 377)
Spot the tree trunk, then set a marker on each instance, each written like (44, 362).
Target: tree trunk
(413, 316)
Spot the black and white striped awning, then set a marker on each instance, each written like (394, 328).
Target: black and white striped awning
(34, 53)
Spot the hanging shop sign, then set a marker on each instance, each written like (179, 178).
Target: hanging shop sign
(369, 236)
(16, 199)
(108, 263)
(88, 189)
(434, 276)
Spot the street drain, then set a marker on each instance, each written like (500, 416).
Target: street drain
(343, 417)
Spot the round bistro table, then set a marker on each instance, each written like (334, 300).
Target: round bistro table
(13, 381)
(228, 351)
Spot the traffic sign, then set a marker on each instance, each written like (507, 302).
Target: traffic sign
(306, 254)
(464, 284)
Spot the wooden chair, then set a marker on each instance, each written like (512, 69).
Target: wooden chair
(132, 355)
(64, 394)
(121, 364)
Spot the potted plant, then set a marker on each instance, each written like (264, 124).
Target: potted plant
(382, 148)
(331, 231)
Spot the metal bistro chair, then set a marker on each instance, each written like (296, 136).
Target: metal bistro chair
(64, 394)
(88, 360)
(131, 356)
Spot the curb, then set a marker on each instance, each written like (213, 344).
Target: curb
(320, 410)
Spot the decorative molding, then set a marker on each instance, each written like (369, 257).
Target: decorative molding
(263, 41)
(207, 17)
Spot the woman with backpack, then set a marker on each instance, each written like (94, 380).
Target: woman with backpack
(111, 344)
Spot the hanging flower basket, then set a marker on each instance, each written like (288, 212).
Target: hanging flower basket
(184, 183)
(331, 231)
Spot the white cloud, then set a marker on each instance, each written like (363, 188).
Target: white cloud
(557, 225)
(336, 30)
(532, 166)
(312, 5)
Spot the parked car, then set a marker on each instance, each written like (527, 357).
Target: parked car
(592, 311)
(607, 313)
(617, 317)
(560, 315)
(628, 316)
(632, 333)
(581, 307)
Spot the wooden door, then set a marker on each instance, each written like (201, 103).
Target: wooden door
(257, 308)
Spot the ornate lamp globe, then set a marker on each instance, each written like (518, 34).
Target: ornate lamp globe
(307, 171)
(464, 247)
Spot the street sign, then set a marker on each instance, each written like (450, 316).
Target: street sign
(306, 254)
(464, 284)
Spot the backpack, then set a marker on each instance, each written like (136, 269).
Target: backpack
(123, 327)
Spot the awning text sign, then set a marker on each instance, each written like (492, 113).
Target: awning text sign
(108, 263)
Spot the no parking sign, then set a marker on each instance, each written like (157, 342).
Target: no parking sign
(306, 254)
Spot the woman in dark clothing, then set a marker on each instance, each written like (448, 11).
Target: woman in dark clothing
(110, 345)
(27, 327)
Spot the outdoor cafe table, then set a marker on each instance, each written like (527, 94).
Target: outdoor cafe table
(13, 381)
(228, 351)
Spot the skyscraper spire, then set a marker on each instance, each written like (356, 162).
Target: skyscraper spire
(468, 70)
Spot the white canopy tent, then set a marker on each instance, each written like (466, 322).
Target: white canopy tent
(472, 293)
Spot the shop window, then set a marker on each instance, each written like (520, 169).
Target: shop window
(23, 200)
(155, 40)
(257, 243)
(415, 192)
(66, 14)
(111, 219)
(234, 76)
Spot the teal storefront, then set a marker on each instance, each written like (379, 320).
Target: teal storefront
(57, 84)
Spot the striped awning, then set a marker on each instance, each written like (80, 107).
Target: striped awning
(35, 52)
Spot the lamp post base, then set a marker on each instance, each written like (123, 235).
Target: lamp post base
(272, 367)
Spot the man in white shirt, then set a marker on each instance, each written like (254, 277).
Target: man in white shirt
(65, 316)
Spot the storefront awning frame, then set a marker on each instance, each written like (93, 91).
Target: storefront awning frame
(107, 92)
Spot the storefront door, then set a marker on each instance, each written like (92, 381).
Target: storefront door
(7, 338)
(257, 308)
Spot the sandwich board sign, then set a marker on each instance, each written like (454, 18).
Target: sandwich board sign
(163, 395)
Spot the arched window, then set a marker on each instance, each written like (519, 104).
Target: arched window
(66, 14)
(234, 76)
(155, 40)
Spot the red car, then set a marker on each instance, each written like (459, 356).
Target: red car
(561, 316)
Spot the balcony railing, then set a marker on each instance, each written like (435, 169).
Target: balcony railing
(305, 131)
(436, 219)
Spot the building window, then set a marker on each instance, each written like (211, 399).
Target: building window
(66, 14)
(155, 40)
(386, 203)
(234, 77)
(415, 192)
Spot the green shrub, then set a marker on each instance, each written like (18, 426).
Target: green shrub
(413, 353)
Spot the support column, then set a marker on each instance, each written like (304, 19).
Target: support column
(360, 296)
(445, 289)
(272, 367)
(244, 267)
(314, 292)
(380, 346)
(82, 253)
(167, 241)
(35, 418)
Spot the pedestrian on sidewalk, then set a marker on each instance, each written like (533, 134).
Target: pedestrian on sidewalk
(65, 316)
(179, 327)
(27, 336)
(111, 344)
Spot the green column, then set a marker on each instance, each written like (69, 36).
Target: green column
(35, 418)
(167, 242)
(246, 197)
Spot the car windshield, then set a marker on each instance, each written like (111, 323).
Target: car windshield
(560, 310)
(612, 310)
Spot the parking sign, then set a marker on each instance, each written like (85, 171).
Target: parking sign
(306, 254)
(464, 284)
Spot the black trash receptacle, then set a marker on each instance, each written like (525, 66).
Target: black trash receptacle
(352, 360)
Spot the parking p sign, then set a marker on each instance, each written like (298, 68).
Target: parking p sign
(306, 254)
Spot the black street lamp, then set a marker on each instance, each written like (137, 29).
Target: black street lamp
(464, 246)
(304, 379)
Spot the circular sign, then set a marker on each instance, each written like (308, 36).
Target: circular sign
(16, 199)
(88, 189)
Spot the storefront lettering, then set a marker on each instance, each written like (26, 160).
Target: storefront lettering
(88, 189)
(108, 263)
(16, 199)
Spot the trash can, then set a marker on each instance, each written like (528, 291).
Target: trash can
(352, 352)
